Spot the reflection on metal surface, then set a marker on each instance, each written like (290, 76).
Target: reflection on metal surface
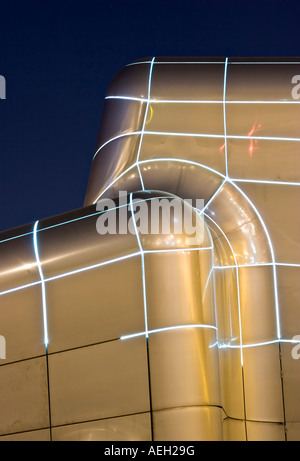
(134, 336)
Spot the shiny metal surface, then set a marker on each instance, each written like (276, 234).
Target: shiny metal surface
(117, 386)
(142, 336)
(126, 428)
(24, 396)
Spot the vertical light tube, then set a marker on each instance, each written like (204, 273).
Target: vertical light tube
(44, 302)
(143, 267)
(144, 122)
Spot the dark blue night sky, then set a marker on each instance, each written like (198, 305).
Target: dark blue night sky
(58, 58)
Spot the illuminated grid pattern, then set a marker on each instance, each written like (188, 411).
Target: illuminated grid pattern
(226, 179)
(226, 136)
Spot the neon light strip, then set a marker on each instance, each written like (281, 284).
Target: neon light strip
(288, 264)
(16, 237)
(213, 62)
(175, 62)
(220, 136)
(258, 265)
(121, 258)
(179, 160)
(266, 62)
(94, 266)
(160, 330)
(136, 63)
(207, 282)
(44, 301)
(198, 101)
(195, 135)
(230, 316)
(143, 266)
(114, 139)
(141, 162)
(200, 212)
(233, 266)
(266, 181)
(172, 250)
(238, 286)
(77, 219)
(272, 255)
(280, 101)
(114, 181)
(144, 123)
(214, 289)
(189, 62)
(212, 272)
(65, 274)
(21, 287)
(128, 98)
(266, 343)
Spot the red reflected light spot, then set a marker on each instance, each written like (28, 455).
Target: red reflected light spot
(252, 142)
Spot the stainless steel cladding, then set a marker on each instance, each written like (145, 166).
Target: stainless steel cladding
(140, 335)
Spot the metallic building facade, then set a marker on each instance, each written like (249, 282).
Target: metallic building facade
(143, 337)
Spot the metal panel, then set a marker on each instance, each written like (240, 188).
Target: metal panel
(206, 151)
(133, 428)
(42, 435)
(234, 430)
(205, 82)
(24, 396)
(21, 323)
(18, 262)
(289, 300)
(267, 81)
(86, 308)
(262, 159)
(109, 379)
(111, 161)
(188, 424)
(121, 117)
(232, 389)
(265, 432)
(291, 379)
(184, 368)
(293, 432)
(180, 292)
(258, 325)
(185, 118)
(276, 204)
(263, 387)
(77, 244)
